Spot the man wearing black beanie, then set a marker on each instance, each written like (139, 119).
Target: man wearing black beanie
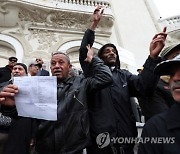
(14, 123)
(23, 65)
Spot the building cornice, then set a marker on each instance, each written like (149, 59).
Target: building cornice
(173, 26)
(56, 15)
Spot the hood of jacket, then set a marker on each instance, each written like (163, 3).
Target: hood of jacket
(117, 64)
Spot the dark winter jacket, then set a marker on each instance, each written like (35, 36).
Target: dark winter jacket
(110, 108)
(162, 133)
(5, 74)
(160, 101)
(69, 134)
(20, 129)
(8, 113)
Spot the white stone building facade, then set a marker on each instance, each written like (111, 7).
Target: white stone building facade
(37, 28)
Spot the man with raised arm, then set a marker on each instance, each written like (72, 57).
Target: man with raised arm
(110, 110)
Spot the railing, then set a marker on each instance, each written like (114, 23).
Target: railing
(78, 2)
(74, 5)
(86, 2)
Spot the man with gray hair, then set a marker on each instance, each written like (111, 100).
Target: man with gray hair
(161, 134)
(69, 134)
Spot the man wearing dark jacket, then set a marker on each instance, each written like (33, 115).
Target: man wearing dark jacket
(161, 133)
(41, 72)
(110, 110)
(5, 72)
(18, 129)
(69, 134)
(161, 99)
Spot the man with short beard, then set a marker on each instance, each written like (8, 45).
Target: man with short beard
(165, 126)
(110, 110)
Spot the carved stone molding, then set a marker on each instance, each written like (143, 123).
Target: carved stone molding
(44, 39)
(62, 20)
(57, 19)
(173, 26)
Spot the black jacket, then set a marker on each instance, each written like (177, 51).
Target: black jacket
(69, 133)
(8, 111)
(160, 101)
(110, 108)
(19, 131)
(5, 74)
(163, 132)
(42, 72)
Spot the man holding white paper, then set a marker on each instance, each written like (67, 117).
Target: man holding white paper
(69, 134)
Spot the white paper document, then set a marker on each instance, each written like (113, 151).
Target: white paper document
(37, 97)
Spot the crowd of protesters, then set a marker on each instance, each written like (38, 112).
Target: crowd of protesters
(94, 106)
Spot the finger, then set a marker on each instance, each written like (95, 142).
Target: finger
(88, 46)
(2, 99)
(164, 29)
(155, 36)
(12, 86)
(96, 10)
(6, 94)
(158, 41)
(160, 35)
(86, 59)
(10, 90)
(102, 11)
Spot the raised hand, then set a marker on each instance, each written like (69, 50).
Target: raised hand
(90, 53)
(157, 43)
(98, 12)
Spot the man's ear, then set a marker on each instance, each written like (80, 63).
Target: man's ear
(70, 66)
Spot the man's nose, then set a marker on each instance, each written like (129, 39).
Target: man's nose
(176, 76)
(112, 52)
(57, 65)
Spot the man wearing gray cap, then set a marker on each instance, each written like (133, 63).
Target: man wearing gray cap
(161, 99)
(161, 134)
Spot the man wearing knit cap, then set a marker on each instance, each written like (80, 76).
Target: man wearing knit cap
(161, 99)
(19, 69)
(162, 132)
(15, 143)
(110, 111)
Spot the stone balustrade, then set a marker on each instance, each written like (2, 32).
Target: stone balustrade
(74, 15)
(86, 2)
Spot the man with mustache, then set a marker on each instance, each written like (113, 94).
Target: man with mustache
(165, 126)
(69, 134)
(110, 109)
(161, 99)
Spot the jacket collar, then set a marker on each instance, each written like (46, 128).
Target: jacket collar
(68, 80)
(173, 117)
